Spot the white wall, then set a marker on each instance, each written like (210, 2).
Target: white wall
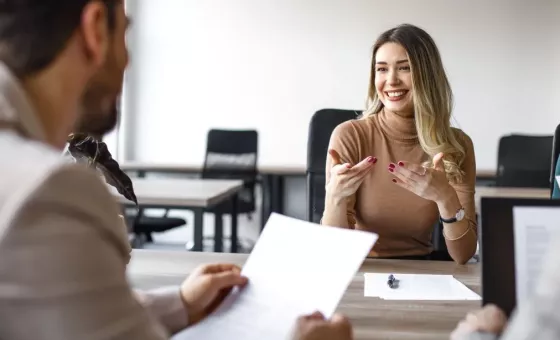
(270, 65)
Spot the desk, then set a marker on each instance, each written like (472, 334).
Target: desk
(183, 168)
(372, 318)
(272, 179)
(509, 192)
(192, 194)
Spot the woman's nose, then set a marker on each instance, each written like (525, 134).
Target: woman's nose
(393, 78)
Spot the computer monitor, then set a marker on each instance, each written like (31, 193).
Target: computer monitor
(497, 252)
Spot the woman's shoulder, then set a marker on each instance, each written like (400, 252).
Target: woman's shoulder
(463, 138)
(359, 128)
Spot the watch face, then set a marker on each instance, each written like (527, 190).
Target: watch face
(460, 214)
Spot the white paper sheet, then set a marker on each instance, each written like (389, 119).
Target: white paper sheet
(417, 287)
(534, 229)
(295, 268)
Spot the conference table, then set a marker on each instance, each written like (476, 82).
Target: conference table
(194, 194)
(372, 318)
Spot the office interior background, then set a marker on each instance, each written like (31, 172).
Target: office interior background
(270, 65)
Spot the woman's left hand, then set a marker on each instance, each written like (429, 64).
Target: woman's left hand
(428, 183)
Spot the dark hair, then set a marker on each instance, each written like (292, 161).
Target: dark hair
(34, 32)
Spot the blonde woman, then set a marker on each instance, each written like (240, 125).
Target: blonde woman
(401, 167)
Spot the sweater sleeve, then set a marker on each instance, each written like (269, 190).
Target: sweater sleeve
(465, 246)
(344, 140)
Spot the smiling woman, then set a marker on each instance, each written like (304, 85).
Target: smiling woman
(401, 168)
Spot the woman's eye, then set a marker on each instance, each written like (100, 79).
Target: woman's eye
(405, 68)
(381, 69)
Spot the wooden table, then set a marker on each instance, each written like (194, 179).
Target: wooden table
(372, 318)
(193, 194)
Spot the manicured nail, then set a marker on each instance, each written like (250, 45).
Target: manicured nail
(374, 160)
(394, 180)
(370, 159)
(348, 166)
(391, 166)
(391, 169)
(401, 164)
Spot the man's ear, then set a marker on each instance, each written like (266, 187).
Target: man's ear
(95, 31)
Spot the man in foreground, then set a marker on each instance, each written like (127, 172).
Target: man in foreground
(62, 261)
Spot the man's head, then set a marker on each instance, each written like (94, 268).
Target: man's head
(83, 40)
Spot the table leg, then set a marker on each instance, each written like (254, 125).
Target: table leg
(266, 199)
(198, 229)
(218, 233)
(278, 194)
(234, 202)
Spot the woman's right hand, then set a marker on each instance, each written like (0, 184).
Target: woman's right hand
(345, 179)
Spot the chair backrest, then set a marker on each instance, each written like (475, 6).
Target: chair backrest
(321, 127)
(524, 161)
(555, 153)
(233, 154)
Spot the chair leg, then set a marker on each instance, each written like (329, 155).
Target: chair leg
(149, 237)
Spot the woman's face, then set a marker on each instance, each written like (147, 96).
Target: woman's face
(393, 80)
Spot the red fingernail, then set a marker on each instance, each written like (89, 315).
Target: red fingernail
(391, 165)
(394, 180)
(374, 160)
(401, 164)
(348, 166)
(391, 169)
(370, 159)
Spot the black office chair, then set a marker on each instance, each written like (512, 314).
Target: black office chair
(524, 161)
(555, 154)
(233, 154)
(144, 226)
(321, 127)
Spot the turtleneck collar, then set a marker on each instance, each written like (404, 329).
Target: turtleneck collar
(397, 127)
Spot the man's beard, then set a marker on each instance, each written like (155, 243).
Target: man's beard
(101, 100)
(98, 116)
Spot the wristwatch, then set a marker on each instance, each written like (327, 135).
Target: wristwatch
(459, 215)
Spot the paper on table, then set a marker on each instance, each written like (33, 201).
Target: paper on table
(295, 268)
(533, 229)
(417, 287)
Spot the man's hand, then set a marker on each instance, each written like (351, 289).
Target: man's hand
(315, 327)
(489, 319)
(207, 287)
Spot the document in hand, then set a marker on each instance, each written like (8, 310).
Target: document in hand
(417, 287)
(535, 229)
(295, 269)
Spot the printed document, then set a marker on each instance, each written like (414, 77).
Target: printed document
(534, 230)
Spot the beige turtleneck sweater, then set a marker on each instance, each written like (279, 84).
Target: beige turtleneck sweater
(403, 220)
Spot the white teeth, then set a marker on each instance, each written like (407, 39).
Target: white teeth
(395, 94)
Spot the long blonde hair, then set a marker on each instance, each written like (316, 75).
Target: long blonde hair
(432, 97)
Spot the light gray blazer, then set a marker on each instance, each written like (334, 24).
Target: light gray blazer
(62, 254)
